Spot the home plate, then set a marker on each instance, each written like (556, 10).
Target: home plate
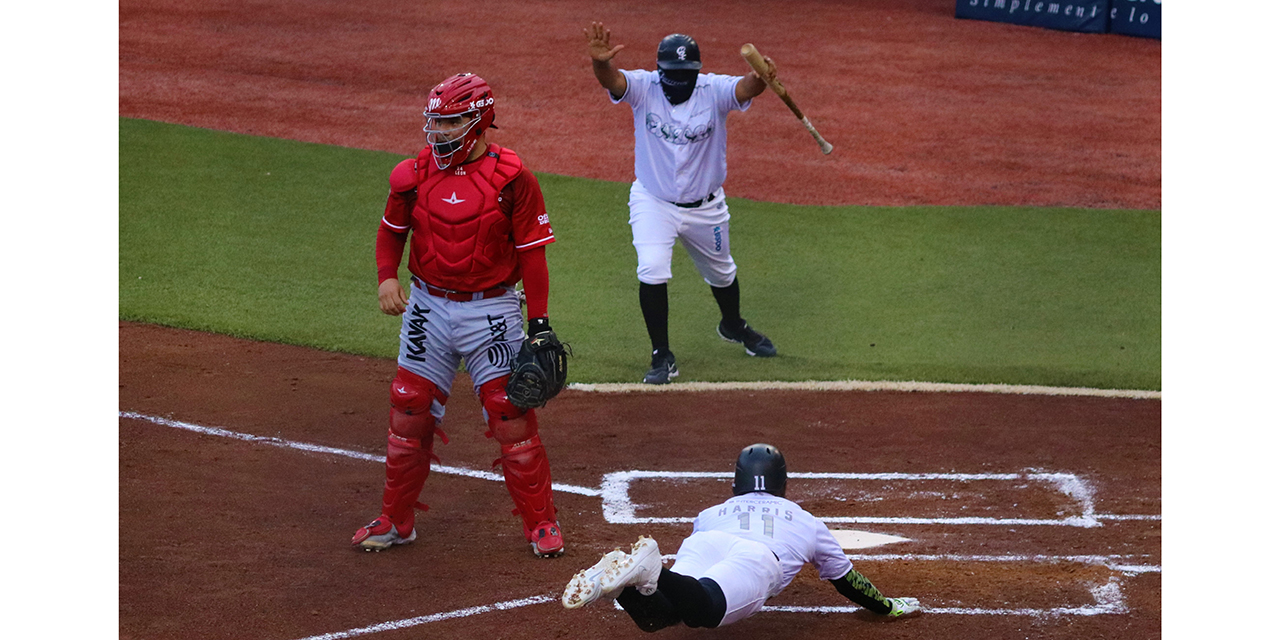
(850, 539)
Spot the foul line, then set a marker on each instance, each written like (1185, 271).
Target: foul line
(1113, 562)
(435, 617)
(346, 453)
(864, 385)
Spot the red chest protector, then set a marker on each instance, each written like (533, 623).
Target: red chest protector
(461, 239)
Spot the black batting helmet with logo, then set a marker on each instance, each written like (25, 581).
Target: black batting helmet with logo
(678, 51)
(761, 467)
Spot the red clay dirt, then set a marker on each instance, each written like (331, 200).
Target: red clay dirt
(922, 108)
(226, 538)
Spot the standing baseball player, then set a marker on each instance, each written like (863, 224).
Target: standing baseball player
(476, 224)
(741, 553)
(680, 117)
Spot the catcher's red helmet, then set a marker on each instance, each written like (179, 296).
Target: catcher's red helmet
(461, 95)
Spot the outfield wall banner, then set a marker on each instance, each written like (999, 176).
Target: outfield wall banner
(1135, 17)
(1089, 16)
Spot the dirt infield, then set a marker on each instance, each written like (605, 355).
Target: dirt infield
(222, 537)
(922, 108)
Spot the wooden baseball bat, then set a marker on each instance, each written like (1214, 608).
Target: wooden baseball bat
(757, 62)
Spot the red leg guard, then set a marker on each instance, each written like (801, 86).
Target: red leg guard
(409, 444)
(528, 475)
(524, 467)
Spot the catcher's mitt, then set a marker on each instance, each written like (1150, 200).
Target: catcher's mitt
(539, 371)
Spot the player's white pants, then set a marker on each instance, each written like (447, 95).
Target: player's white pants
(437, 333)
(704, 232)
(746, 570)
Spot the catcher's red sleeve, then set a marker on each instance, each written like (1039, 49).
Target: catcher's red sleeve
(393, 233)
(537, 280)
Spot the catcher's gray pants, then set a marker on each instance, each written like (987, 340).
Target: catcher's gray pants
(436, 334)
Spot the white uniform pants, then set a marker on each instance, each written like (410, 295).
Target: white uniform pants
(704, 232)
(746, 570)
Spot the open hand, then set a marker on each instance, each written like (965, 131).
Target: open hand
(598, 43)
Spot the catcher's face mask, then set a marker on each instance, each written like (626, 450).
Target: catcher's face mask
(677, 84)
(450, 137)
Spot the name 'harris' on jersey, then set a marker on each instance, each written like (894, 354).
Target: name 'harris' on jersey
(793, 534)
(681, 149)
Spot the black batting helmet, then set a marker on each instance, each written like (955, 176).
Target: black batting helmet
(678, 51)
(761, 467)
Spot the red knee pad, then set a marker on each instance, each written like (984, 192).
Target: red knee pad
(508, 424)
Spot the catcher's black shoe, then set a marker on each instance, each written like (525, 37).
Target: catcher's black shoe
(663, 368)
(753, 341)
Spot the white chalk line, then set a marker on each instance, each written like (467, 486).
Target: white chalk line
(313, 448)
(1122, 563)
(618, 508)
(435, 617)
(863, 385)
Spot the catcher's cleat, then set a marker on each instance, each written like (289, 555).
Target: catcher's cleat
(663, 368)
(585, 587)
(903, 607)
(381, 534)
(639, 569)
(547, 540)
(753, 341)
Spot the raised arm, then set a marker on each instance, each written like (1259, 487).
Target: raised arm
(752, 85)
(602, 53)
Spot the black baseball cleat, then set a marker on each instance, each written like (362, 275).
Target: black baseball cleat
(663, 368)
(753, 341)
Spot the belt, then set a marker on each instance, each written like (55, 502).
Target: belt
(460, 296)
(695, 203)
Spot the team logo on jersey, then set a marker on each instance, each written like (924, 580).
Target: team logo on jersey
(453, 198)
(676, 134)
(544, 219)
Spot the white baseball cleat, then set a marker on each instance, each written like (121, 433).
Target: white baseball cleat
(585, 588)
(903, 607)
(639, 569)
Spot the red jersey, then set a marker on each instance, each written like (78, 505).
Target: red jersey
(467, 222)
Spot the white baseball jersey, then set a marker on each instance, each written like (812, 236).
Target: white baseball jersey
(793, 534)
(680, 149)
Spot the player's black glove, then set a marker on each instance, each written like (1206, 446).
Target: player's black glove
(540, 369)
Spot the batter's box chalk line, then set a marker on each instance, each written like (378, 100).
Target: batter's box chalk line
(618, 508)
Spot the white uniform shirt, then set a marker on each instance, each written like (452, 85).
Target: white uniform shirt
(680, 149)
(792, 533)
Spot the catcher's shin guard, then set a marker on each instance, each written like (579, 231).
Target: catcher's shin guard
(410, 441)
(528, 477)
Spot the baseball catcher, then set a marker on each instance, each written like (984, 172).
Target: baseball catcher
(475, 222)
(742, 552)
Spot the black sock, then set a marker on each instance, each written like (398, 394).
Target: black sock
(650, 613)
(700, 602)
(653, 305)
(727, 298)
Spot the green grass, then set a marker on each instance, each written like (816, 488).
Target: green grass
(273, 240)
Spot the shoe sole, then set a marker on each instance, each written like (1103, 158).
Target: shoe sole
(582, 590)
(616, 580)
(673, 373)
(369, 544)
(546, 554)
(744, 346)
